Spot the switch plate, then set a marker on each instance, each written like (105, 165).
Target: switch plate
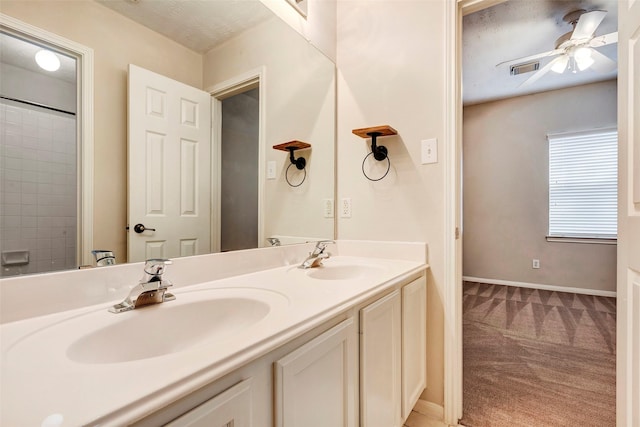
(345, 207)
(429, 152)
(327, 208)
(271, 169)
(535, 263)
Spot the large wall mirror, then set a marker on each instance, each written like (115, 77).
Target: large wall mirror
(267, 86)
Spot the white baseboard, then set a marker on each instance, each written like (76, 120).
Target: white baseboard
(429, 409)
(541, 286)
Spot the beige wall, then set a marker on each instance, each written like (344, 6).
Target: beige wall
(391, 70)
(116, 41)
(299, 85)
(319, 26)
(506, 188)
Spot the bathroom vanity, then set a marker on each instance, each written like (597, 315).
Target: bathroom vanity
(261, 343)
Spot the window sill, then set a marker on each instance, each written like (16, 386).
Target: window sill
(591, 240)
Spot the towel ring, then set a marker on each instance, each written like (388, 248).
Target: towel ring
(374, 155)
(286, 175)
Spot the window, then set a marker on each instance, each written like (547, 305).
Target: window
(583, 184)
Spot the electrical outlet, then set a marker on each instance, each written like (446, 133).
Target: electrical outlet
(327, 208)
(345, 208)
(535, 263)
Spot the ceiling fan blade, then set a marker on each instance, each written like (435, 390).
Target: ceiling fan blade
(604, 40)
(587, 24)
(541, 72)
(602, 63)
(532, 57)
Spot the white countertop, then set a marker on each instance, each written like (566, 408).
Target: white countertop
(39, 379)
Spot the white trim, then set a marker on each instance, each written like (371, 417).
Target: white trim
(564, 133)
(452, 293)
(216, 171)
(429, 409)
(220, 91)
(555, 288)
(590, 240)
(471, 6)
(84, 56)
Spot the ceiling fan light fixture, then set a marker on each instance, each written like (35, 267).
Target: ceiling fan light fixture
(584, 63)
(583, 58)
(560, 64)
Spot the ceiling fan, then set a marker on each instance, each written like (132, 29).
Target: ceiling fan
(575, 50)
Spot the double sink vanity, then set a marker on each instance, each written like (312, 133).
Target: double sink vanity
(250, 340)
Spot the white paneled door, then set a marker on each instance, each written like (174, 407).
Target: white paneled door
(628, 341)
(169, 155)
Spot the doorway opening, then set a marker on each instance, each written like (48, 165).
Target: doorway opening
(531, 306)
(239, 154)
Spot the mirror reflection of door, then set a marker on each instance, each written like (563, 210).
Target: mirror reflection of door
(239, 171)
(38, 158)
(169, 151)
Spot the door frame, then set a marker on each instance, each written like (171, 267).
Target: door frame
(452, 296)
(233, 86)
(84, 126)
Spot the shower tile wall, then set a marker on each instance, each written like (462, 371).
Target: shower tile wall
(38, 182)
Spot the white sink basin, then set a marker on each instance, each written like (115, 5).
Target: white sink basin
(329, 271)
(193, 319)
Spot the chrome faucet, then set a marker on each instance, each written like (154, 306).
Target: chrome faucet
(315, 258)
(151, 289)
(273, 241)
(103, 257)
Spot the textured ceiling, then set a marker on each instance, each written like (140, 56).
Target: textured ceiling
(519, 28)
(513, 29)
(199, 25)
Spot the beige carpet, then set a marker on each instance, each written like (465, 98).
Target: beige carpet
(538, 358)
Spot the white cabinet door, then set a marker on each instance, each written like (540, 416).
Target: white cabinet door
(414, 343)
(231, 408)
(316, 385)
(380, 359)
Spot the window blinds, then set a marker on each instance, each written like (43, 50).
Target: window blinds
(583, 184)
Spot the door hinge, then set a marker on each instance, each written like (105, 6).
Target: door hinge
(457, 233)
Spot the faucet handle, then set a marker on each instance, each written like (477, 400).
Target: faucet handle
(322, 244)
(156, 266)
(325, 242)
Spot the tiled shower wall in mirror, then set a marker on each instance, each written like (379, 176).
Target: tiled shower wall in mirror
(37, 189)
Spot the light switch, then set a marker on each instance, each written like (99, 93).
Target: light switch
(271, 169)
(429, 151)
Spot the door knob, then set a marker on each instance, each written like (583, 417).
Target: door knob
(139, 228)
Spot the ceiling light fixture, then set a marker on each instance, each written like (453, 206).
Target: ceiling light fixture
(583, 58)
(47, 60)
(560, 64)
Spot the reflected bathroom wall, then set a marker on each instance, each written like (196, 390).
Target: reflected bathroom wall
(38, 174)
(290, 109)
(299, 104)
